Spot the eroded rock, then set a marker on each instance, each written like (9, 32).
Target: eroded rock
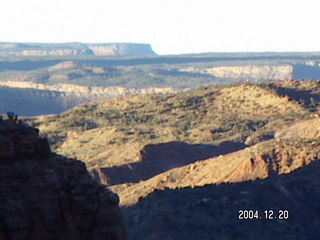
(47, 196)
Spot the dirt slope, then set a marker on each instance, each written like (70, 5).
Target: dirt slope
(259, 161)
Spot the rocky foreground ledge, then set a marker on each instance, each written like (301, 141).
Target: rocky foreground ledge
(47, 196)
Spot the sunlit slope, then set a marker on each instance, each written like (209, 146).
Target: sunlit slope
(112, 132)
(262, 160)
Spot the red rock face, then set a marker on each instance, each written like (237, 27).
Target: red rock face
(46, 196)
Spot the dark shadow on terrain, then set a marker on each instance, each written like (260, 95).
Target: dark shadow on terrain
(30, 102)
(306, 72)
(157, 158)
(212, 212)
(27, 65)
(305, 97)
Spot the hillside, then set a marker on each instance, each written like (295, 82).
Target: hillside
(204, 116)
(305, 92)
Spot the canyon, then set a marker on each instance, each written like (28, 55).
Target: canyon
(53, 83)
(158, 147)
(193, 159)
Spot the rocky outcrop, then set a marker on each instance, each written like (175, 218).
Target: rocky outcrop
(46, 196)
(58, 52)
(251, 72)
(74, 49)
(20, 141)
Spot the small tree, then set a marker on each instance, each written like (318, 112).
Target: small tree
(12, 117)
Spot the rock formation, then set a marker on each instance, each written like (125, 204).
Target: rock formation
(121, 49)
(46, 196)
(251, 72)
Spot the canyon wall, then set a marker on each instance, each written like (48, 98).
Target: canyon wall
(265, 72)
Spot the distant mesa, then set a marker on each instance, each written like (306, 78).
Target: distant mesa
(75, 49)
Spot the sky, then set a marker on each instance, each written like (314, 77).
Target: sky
(170, 26)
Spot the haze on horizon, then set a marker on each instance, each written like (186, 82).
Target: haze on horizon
(171, 27)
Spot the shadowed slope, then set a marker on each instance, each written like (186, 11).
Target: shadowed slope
(157, 158)
(307, 93)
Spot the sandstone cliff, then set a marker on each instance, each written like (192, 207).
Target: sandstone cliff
(251, 72)
(121, 49)
(46, 196)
